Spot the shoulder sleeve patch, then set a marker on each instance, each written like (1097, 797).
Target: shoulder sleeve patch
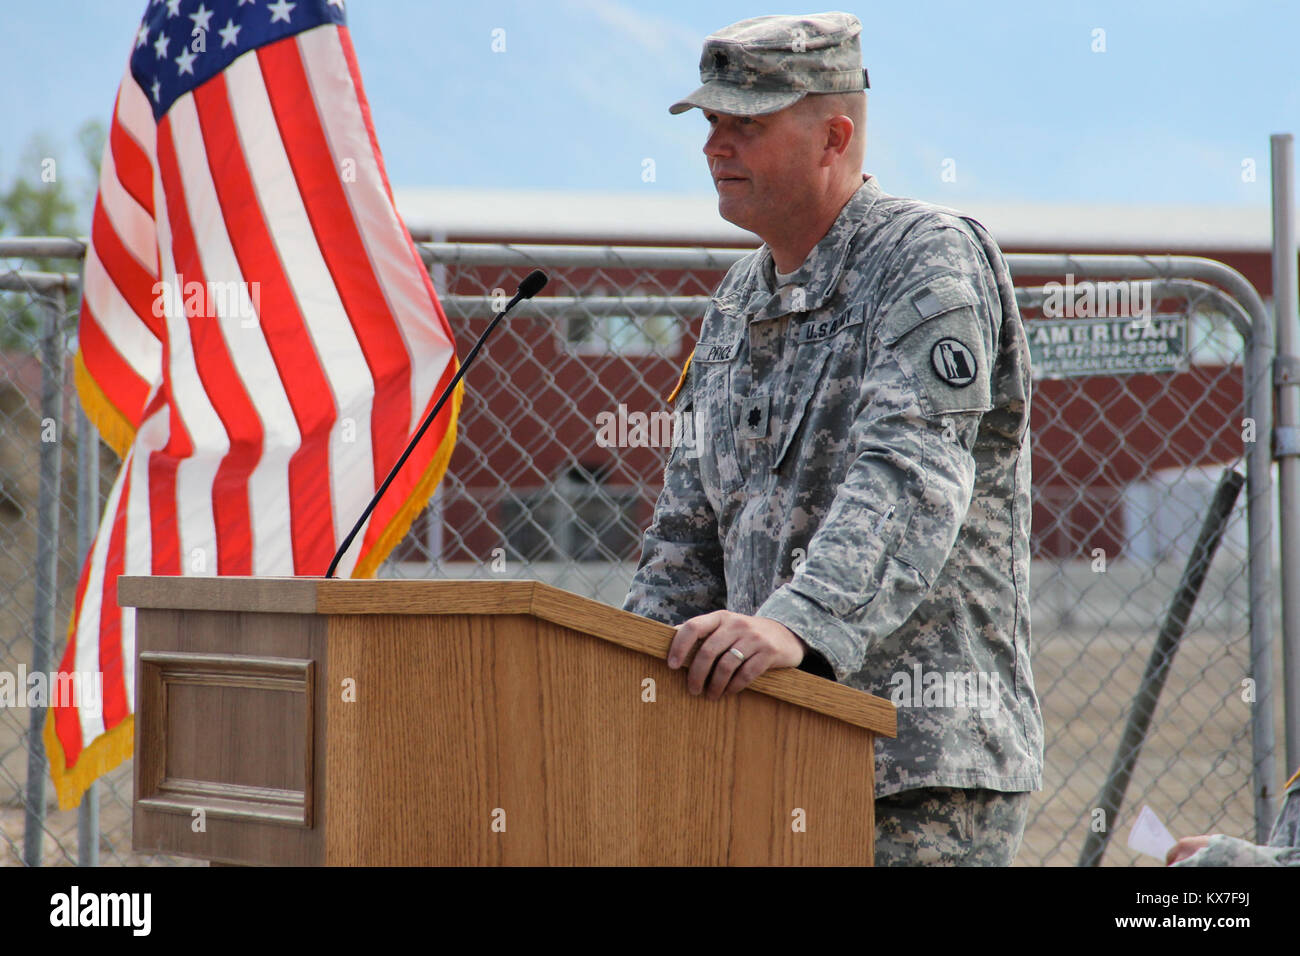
(942, 338)
(935, 296)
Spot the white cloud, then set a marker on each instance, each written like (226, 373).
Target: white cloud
(653, 34)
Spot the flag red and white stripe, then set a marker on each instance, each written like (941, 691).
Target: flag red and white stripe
(250, 440)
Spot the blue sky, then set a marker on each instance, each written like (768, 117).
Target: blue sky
(1012, 92)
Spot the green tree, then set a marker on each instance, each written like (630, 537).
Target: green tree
(43, 200)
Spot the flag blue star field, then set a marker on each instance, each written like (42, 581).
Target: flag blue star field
(176, 53)
(259, 338)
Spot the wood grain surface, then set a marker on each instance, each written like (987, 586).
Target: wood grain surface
(474, 723)
(237, 736)
(321, 596)
(526, 743)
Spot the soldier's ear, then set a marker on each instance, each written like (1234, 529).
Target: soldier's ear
(839, 135)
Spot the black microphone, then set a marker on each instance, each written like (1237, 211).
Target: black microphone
(533, 283)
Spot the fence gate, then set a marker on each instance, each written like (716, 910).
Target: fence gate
(1152, 383)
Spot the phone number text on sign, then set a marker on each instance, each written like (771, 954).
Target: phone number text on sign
(1060, 348)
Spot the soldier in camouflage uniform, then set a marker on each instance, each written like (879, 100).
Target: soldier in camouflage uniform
(857, 501)
(1216, 849)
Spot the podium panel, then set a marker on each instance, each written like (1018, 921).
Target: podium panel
(320, 722)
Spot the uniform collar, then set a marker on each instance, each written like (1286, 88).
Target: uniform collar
(819, 275)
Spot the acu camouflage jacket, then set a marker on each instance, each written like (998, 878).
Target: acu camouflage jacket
(861, 474)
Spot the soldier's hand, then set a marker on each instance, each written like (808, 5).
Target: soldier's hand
(762, 642)
(1185, 848)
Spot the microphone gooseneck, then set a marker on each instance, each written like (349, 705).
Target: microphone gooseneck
(533, 283)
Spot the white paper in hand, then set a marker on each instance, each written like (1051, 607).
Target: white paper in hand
(1149, 835)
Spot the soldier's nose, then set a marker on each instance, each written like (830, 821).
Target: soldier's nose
(715, 145)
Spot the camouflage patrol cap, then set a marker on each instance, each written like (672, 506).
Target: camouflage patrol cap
(765, 64)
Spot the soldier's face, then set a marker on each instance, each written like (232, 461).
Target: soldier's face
(762, 166)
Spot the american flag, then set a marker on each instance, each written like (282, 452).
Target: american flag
(258, 338)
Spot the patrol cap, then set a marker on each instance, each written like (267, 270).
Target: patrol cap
(765, 64)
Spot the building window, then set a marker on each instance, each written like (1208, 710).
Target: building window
(600, 327)
(576, 518)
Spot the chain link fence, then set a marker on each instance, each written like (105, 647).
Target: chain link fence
(559, 459)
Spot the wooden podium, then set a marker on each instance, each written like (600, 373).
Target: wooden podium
(304, 721)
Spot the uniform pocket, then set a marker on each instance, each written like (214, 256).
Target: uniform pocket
(810, 375)
(943, 343)
(816, 339)
(710, 396)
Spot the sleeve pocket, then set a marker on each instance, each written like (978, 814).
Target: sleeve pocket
(941, 338)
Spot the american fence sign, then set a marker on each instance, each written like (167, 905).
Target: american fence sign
(1060, 348)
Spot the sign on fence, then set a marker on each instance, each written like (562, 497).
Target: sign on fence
(1061, 348)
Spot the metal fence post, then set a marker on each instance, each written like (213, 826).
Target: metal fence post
(47, 550)
(87, 522)
(1259, 525)
(1287, 385)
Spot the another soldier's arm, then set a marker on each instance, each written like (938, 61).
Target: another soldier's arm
(896, 516)
(680, 574)
(1221, 850)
